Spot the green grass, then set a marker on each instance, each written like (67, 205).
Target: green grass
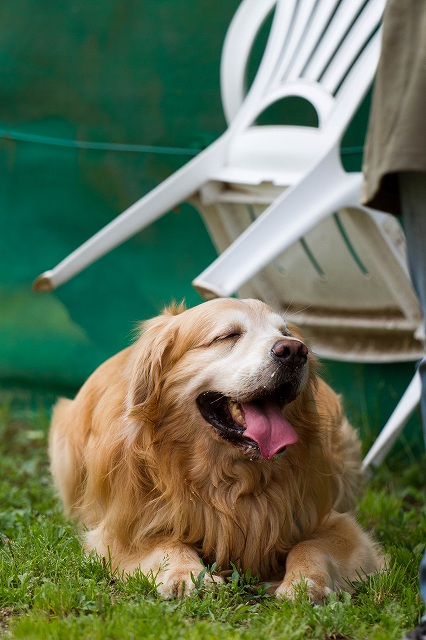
(50, 589)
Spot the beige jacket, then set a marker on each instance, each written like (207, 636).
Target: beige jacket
(396, 137)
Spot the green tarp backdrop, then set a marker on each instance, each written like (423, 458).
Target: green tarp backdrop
(100, 101)
(77, 79)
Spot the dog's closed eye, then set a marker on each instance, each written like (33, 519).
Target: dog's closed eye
(231, 334)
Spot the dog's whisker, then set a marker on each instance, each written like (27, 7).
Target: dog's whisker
(308, 306)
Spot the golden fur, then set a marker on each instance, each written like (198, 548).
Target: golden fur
(157, 487)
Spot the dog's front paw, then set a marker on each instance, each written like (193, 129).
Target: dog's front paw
(316, 591)
(178, 583)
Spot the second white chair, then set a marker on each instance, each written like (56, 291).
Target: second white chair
(279, 206)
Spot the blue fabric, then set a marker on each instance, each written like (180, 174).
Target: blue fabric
(423, 580)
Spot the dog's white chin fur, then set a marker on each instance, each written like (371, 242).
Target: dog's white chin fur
(158, 487)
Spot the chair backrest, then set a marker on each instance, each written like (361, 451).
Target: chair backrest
(325, 51)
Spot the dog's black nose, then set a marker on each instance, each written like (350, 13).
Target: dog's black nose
(291, 352)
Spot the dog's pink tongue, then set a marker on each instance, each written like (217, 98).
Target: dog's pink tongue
(267, 426)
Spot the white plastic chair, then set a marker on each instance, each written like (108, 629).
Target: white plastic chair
(276, 200)
(342, 275)
(311, 46)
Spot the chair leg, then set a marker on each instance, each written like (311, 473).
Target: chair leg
(395, 424)
(164, 197)
(301, 207)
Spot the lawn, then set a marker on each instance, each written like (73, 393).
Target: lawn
(50, 589)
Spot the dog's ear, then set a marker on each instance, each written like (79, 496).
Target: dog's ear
(153, 355)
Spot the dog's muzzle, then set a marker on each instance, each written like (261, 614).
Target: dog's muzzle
(257, 424)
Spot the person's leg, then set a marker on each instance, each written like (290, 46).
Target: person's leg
(412, 188)
(423, 581)
(413, 202)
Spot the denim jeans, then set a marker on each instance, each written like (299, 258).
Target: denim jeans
(412, 187)
(423, 580)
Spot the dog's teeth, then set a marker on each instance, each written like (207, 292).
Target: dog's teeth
(236, 413)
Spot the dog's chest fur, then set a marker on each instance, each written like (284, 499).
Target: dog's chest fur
(248, 515)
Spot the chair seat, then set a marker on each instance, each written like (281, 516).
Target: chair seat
(273, 154)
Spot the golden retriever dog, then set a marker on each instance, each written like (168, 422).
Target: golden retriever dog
(213, 438)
